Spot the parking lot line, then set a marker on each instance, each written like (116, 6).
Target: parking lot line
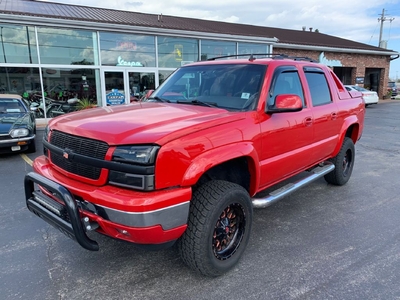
(26, 158)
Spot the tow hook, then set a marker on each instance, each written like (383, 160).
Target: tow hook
(88, 225)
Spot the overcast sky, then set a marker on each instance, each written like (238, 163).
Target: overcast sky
(351, 19)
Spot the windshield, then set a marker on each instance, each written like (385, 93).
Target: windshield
(233, 87)
(11, 106)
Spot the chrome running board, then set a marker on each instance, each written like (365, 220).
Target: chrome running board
(274, 196)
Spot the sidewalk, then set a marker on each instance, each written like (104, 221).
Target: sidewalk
(397, 99)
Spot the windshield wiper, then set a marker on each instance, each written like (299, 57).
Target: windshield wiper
(198, 102)
(160, 99)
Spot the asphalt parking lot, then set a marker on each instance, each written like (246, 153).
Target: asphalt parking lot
(322, 242)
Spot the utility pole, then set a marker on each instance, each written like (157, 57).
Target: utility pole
(382, 19)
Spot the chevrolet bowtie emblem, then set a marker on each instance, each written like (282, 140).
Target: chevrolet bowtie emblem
(68, 154)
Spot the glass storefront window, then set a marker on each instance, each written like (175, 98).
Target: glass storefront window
(162, 75)
(67, 46)
(21, 81)
(252, 48)
(140, 83)
(213, 48)
(24, 82)
(174, 52)
(64, 84)
(76, 88)
(18, 44)
(127, 50)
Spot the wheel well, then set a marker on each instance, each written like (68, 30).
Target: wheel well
(235, 170)
(352, 132)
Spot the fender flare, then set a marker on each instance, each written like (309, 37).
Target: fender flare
(216, 156)
(348, 122)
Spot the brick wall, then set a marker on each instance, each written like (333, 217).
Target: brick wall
(361, 63)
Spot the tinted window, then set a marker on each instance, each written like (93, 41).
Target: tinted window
(319, 88)
(287, 82)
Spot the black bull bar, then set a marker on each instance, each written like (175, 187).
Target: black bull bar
(49, 210)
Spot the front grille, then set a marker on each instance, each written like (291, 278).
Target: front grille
(5, 137)
(79, 145)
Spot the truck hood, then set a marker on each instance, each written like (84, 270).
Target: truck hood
(141, 123)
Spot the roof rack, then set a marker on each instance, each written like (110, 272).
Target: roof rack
(297, 58)
(253, 56)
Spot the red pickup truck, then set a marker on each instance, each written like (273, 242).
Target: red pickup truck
(186, 165)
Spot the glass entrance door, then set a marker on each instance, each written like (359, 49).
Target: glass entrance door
(125, 86)
(114, 82)
(140, 83)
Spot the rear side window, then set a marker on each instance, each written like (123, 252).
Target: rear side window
(319, 88)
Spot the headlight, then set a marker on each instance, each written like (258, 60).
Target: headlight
(19, 132)
(143, 155)
(46, 133)
(46, 138)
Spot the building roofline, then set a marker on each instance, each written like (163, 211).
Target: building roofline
(45, 13)
(333, 49)
(66, 23)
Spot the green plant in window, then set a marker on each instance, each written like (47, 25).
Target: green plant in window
(85, 103)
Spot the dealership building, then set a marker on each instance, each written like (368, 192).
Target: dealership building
(60, 51)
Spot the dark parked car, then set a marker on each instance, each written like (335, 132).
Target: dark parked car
(392, 89)
(17, 125)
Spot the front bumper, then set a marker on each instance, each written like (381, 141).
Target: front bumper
(21, 144)
(147, 218)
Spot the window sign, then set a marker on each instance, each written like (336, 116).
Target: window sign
(115, 97)
(178, 52)
(360, 80)
(127, 45)
(122, 62)
(128, 50)
(172, 51)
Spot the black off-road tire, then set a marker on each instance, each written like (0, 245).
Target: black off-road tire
(218, 229)
(344, 162)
